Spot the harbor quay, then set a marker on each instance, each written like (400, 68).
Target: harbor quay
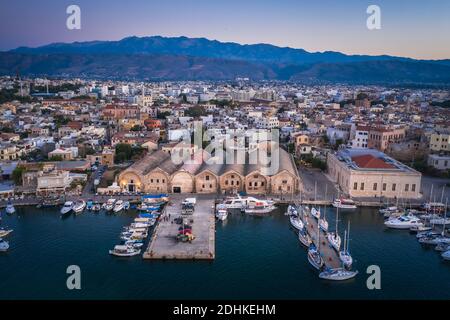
(163, 243)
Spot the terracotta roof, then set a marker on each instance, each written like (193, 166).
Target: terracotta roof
(368, 161)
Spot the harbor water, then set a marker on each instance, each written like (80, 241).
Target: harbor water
(256, 258)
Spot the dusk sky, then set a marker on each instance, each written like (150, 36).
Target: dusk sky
(414, 28)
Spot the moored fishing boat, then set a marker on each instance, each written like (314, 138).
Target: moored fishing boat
(339, 274)
(89, 205)
(124, 251)
(109, 204)
(342, 203)
(259, 207)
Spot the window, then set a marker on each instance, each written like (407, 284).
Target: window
(210, 186)
(262, 183)
(413, 187)
(207, 178)
(375, 186)
(163, 180)
(355, 186)
(362, 185)
(406, 187)
(249, 184)
(393, 186)
(157, 180)
(226, 182)
(203, 186)
(151, 180)
(384, 186)
(237, 183)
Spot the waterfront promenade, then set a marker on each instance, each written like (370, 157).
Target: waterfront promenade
(163, 244)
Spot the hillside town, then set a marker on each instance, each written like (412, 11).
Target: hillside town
(74, 136)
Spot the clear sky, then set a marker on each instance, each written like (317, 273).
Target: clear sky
(411, 28)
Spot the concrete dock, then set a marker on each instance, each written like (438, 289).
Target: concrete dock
(164, 245)
(329, 255)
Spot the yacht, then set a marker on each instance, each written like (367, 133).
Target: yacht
(343, 203)
(4, 233)
(221, 212)
(10, 208)
(109, 204)
(4, 245)
(314, 257)
(67, 207)
(420, 228)
(304, 238)
(403, 222)
(394, 214)
(96, 207)
(242, 202)
(259, 207)
(118, 206)
(124, 251)
(427, 234)
(338, 274)
(296, 223)
(446, 255)
(79, 206)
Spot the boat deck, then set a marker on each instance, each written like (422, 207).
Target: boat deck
(329, 255)
(163, 244)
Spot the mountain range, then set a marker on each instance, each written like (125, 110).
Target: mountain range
(182, 58)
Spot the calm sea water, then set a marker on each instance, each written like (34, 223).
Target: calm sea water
(256, 258)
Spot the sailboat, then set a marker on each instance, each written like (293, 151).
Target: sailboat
(296, 222)
(304, 237)
(344, 255)
(323, 223)
(339, 274)
(314, 256)
(333, 237)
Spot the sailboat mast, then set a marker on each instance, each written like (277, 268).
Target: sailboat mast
(345, 241)
(348, 235)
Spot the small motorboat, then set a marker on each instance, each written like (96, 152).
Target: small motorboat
(442, 247)
(126, 205)
(118, 206)
(346, 204)
(10, 208)
(109, 204)
(89, 205)
(96, 207)
(388, 210)
(259, 207)
(221, 212)
(446, 255)
(4, 233)
(67, 207)
(420, 228)
(79, 206)
(435, 240)
(304, 238)
(4, 245)
(338, 274)
(314, 257)
(296, 222)
(440, 221)
(427, 234)
(124, 251)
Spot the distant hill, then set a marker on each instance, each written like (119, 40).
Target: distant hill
(182, 58)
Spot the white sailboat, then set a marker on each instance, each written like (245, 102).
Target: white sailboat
(296, 222)
(10, 208)
(304, 238)
(314, 256)
(323, 223)
(338, 274)
(333, 237)
(344, 255)
(446, 255)
(315, 213)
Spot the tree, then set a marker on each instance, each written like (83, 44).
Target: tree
(136, 128)
(17, 175)
(195, 111)
(56, 157)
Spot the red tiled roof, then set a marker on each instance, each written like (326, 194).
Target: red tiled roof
(370, 162)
